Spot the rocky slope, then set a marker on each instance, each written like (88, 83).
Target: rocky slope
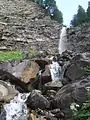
(24, 24)
(79, 38)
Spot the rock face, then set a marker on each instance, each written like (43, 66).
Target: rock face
(79, 38)
(24, 24)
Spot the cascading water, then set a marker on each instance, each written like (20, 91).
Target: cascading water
(55, 68)
(16, 109)
(63, 39)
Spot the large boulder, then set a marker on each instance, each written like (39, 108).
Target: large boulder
(25, 70)
(30, 72)
(37, 100)
(76, 67)
(75, 92)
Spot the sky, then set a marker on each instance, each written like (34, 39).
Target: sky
(69, 8)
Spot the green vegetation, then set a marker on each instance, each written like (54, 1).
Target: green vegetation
(16, 55)
(82, 16)
(32, 53)
(51, 8)
(10, 55)
(82, 112)
(58, 16)
(87, 69)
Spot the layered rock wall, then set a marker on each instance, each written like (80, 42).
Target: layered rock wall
(24, 24)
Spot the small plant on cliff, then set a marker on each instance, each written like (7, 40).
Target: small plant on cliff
(81, 112)
(15, 55)
(10, 55)
(87, 69)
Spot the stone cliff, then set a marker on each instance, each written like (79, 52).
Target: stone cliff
(79, 38)
(24, 24)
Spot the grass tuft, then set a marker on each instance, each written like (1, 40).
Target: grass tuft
(10, 55)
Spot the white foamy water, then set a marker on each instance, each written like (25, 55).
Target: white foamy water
(17, 109)
(55, 71)
(62, 41)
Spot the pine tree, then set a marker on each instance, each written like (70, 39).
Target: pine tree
(58, 16)
(74, 21)
(88, 11)
(50, 3)
(81, 15)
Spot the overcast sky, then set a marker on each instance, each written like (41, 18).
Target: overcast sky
(69, 8)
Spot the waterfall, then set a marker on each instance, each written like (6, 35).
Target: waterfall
(17, 108)
(55, 68)
(63, 40)
(55, 71)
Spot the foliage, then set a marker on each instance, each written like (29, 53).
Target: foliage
(74, 20)
(10, 55)
(15, 55)
(51, 6)
(88, 13)
(87, 69)
(80, 17)
(82, 112)
(57, 16)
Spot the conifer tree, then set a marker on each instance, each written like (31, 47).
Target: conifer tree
(74, 21)
(81, 15)
(88, 12)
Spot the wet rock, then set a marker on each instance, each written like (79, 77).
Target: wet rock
(67, 55)
(36, 100)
